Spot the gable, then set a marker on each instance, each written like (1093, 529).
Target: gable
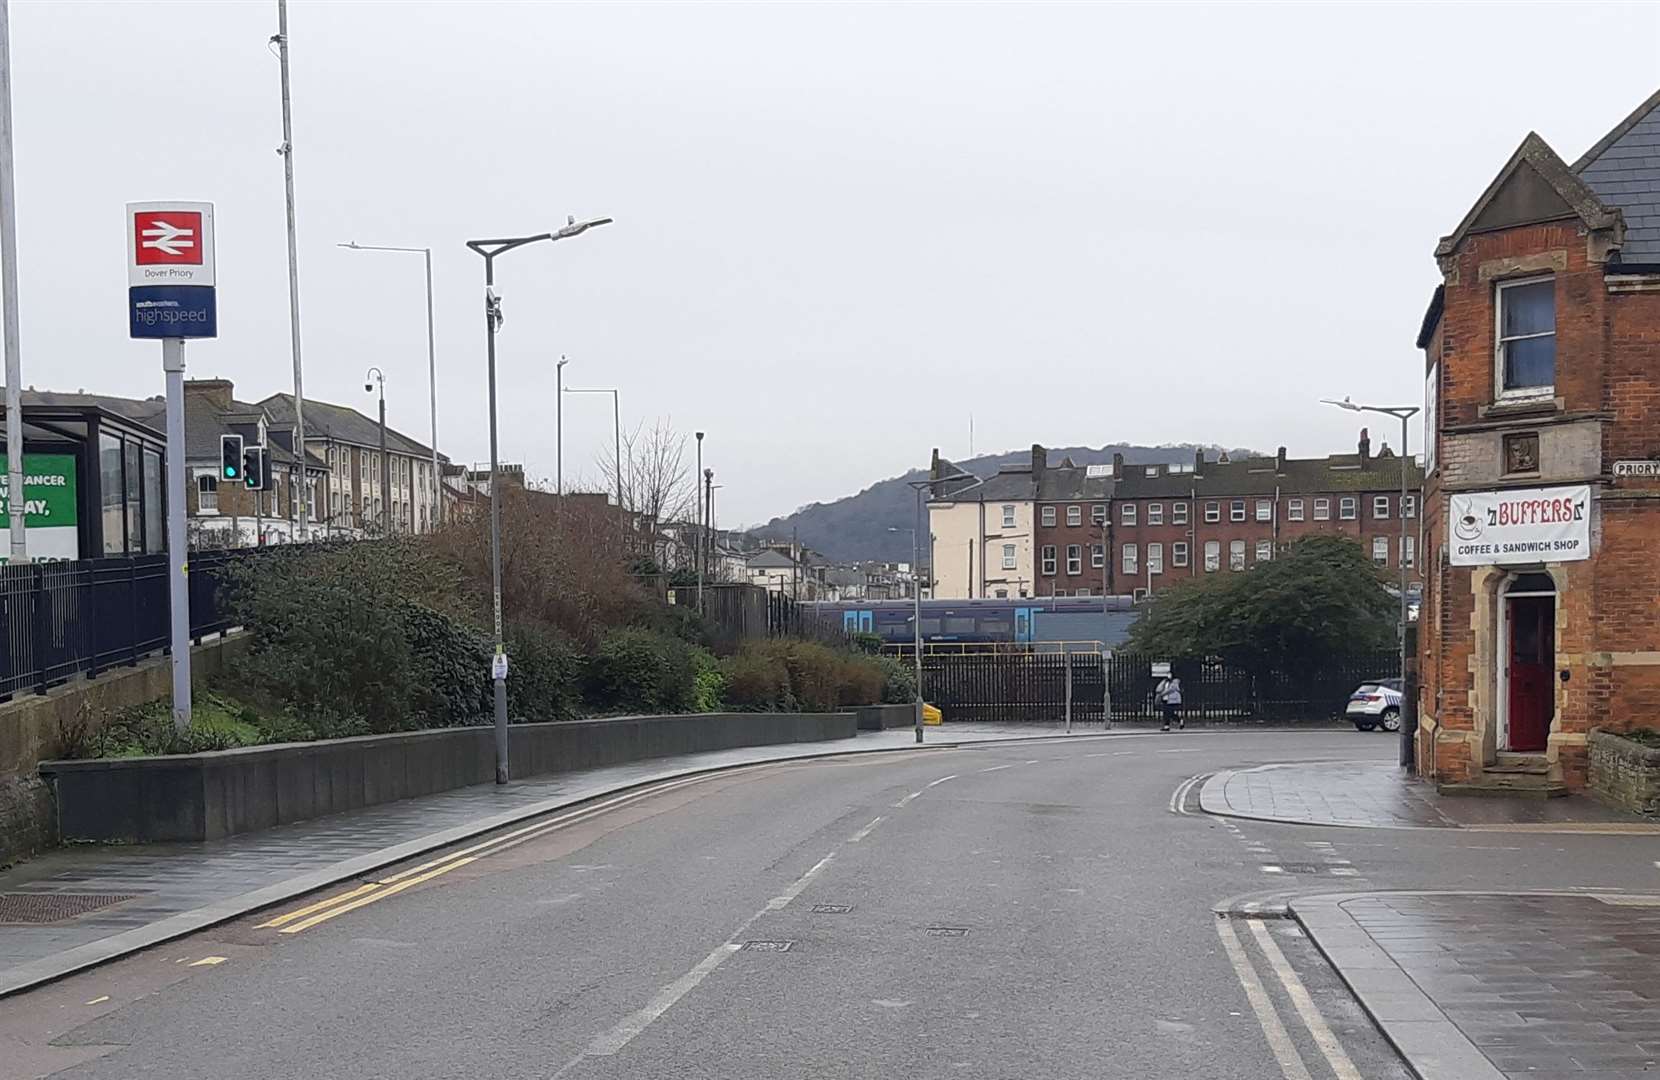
(1523, 198)
(1534, 185)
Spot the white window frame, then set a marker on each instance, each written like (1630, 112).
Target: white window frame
(1213, 512)
(1074, 516)
(207, 493)
(1009, 561)
(1048, 517)
(1265, 551)
(1322, 509)
(1155, 513)
(1129, 558)
(1380, 551)
(1155, 558)
(1126, 515)
(1213, 556)
(1074, 559)
(1098, 514)
(1097, 556)
(1265, 509)
(1008, 515)
(1409, 551)
(1524, 393)
(1178, 513)
(1236, 554)
(1178, 553)
(1409, 506)
(1348, 508)
(1294, 510)
(1380, 507)
(1236, 509)
(1048, 564)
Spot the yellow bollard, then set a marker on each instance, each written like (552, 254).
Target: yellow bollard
(931, 715)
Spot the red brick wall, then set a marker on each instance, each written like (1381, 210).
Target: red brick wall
(1060, 535)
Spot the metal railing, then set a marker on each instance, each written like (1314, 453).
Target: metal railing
(996, 648)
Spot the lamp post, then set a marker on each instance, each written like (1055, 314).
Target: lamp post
(489, 249)
(697, 545)
(616, 434)
(559, 425)
(432, 363)
(1403, 413)
(919, 486)
(371, 378)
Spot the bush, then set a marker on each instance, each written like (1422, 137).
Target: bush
(898, 681)
(757, 681)
(640, 671)
(544, 678)
(789, 675)
(708, 682)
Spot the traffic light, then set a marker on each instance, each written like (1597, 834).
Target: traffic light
(253, 467)
(230, 457)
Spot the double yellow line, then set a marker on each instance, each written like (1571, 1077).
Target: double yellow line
(293, 922)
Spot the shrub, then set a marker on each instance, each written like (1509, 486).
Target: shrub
(708, 682)
(640, 671)
(757, 681)
(545, 676)
(786, 675)
(898, 681)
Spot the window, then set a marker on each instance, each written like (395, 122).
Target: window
(1155, 558)
(1178, 513)
(1098, 514)
(1048, 517)
(1008, 516)
(1322, 509)
(109, 483)
(1129, 559)
(1380, 506)
(1526, 354)
(1380, 550)
(1265, 509)
(134, 472)
(1294, 509)
(1213, 556)
(1409, 554)
(1432, 395)
(154, 519)
(363, 466)
(1236, 554)
(1265, 550)
(1074, 558)
(1346, 507)
(1178, 553)
(1008, 556)
(1001, 593)
(1126, 514)
(1084, 592)
(1155, 513)
(1074, 516)
(1213, 512)
(1049, 559)
(1060, 592)
(1097, 556)
(207, 493)
(1409, 506)
(1236, 510)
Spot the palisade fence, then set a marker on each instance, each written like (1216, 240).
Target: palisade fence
(63, 619)
(1017, 687)
(735, 613)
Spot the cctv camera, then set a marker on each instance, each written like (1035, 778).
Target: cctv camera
(369, 388)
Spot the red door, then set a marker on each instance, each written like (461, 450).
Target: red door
(1532, 660)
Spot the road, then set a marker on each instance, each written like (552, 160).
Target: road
(1037, 909)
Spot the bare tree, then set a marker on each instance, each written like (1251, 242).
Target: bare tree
(657, 488)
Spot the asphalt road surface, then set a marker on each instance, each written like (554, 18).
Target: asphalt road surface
(1040, 909)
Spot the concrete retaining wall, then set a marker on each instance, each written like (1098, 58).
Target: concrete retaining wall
(885, 717)
(33, 726)
(206, 796)
(1625, 773)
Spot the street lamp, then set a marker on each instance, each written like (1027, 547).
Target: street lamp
(1403, 413)
(489, 249)
(919, 486)
(372, 377)
(432, 363)
(559, 425)
(616, 432)
(697, 543)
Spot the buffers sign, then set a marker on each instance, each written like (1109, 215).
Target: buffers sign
(1531, 525)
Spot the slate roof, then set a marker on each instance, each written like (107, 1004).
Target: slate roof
(202, 427)
(1068, 482)
(770, 560)
(1261, 476)
(342, 424)
(1624, 171)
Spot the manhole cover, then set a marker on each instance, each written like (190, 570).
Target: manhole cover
(54, 907)
(768, 946)
(832, 909)
(948, 931)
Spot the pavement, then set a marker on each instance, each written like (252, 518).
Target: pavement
(1058, 907)
(137, 896)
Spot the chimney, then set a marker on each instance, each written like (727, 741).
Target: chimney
(934, 465)
(1198, 459)
(1040, 461)
(1118, 465)
(216, 393)
(1279, 461)
(1365, 448)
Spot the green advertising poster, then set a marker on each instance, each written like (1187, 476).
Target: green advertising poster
(50, 506)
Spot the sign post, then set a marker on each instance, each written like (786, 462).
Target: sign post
(171, 297)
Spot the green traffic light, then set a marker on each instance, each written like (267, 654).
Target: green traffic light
(230, 473)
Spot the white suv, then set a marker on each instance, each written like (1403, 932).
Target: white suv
(1376, 704)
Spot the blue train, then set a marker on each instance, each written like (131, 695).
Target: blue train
(1106, 619)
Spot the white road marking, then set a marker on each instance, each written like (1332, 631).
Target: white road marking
(782, 900)
(901, 803)
(208, 961)
(1336, 1057)
(864, 832)
(994, 768)
(1272, 869)
(1179, 797)
(1034, 761)
(1122, 753)
(1184, 750)
(99, 1000)
(1344, 871)
(1285, 1052)
(941, 780)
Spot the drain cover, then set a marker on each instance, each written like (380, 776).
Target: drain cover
(832, 909)
(54, 907)
(948, 931)
(768, 946)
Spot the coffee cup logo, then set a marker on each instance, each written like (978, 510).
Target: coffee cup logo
(1466, 526)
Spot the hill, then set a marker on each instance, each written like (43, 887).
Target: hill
(855, 528)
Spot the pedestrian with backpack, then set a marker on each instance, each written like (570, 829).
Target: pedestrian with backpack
(1169, 695)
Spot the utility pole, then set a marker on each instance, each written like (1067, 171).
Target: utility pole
(709, 517)
(559, 425)
(375, 375)
(298, 498)
(8, 300)
(697, 543)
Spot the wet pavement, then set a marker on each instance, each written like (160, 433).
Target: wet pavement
(1378, 795)
(1474, 986)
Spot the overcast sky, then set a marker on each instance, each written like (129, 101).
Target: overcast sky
(840, 229)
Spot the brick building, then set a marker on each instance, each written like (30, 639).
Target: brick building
(1542, 368)
(1073, 502)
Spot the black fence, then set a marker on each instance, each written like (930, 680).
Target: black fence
(735, 613)
(1018, 687)
(63, 619)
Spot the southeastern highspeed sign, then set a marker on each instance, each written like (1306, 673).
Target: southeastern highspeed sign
(170, 270)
